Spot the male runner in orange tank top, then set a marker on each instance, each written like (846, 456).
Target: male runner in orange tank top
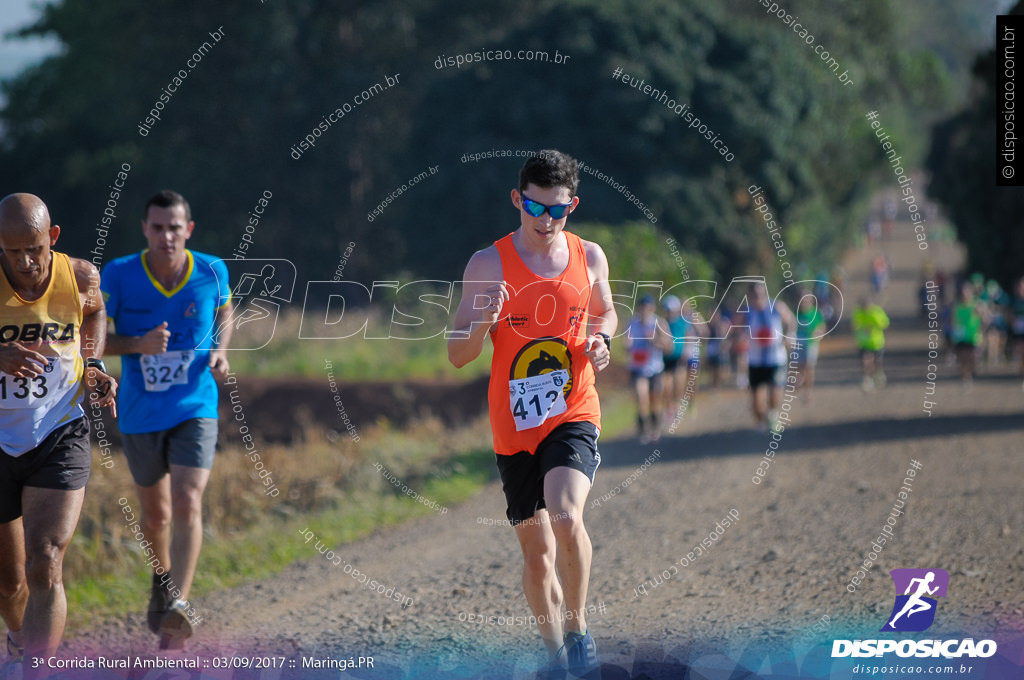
(542, 295)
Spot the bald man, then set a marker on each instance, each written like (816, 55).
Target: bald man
(52, 331)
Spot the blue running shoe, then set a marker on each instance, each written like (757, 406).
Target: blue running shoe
(14, 668)
(582, 652)
(15, 651)
(554, 670)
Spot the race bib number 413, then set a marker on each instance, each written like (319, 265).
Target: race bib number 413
(533, 400)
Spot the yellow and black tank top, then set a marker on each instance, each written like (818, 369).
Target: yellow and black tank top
(32, 408)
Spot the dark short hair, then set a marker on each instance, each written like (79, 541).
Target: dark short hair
(550, 168)
(166, 198)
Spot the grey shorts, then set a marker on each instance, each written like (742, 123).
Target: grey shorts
(808, 354)
(190, 443)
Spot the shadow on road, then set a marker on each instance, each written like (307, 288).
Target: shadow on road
(629, 453)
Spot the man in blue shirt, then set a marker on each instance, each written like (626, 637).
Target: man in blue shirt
(164, 302)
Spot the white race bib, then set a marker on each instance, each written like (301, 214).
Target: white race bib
(160, 371)
(35, 392)
(533, 400)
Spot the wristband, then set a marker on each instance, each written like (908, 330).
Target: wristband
(607, 340)
(93, 362)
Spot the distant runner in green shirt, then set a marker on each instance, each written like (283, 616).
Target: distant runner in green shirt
(869, 324)
(1016, 325)
(967, 324)
(810, 323)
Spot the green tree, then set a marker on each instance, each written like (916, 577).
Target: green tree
(794, 129)
(227, 133)
(987, 218)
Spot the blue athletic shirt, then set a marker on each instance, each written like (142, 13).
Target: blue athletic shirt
(679, 327)
(181, 385)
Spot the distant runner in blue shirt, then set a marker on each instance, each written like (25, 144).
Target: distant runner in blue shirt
(164, 302)
(681, 349)
(646, 365)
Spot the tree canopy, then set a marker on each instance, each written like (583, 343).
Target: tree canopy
(227, 133)
(989, 219)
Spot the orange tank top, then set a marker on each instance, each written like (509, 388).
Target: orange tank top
(543, 329)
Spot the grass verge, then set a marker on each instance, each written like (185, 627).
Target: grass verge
(329, 487)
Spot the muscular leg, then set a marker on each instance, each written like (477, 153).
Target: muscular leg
(657, 389)
(187, 486)
(757, 403)
(964, 355)
(868, 360)
(642, 389)
(540, 582)
(668, 385)
(565, 494)
(670, 390)
(156, 519)
(687, 373)
(50, 517)
(801, 370)
(13, 588)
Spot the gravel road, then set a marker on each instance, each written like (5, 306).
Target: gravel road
(768, 580)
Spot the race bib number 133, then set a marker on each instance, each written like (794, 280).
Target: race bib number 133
(31, 392)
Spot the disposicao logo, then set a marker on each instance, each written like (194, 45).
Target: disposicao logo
(914, 611)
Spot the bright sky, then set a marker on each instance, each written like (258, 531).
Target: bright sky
(17, 54)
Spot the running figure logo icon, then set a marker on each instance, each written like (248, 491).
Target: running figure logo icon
(914, 610)
(261, 288)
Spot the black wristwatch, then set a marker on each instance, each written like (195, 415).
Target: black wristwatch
(93, 362)
(607, 340)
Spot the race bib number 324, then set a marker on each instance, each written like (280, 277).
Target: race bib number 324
(533, 400)
(160, 371)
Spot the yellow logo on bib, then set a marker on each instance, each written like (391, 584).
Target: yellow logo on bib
(541, 356)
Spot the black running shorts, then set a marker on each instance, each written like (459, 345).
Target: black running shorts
(61, 461)
(572, 445)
